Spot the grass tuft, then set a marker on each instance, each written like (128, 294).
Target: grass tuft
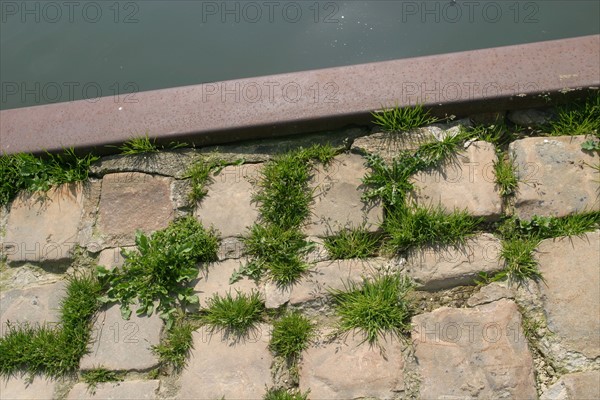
(237, 315)
(579, 118)
(100, 375)
(143, 144)
(506, 176)
(352, 243)
(177, 345)
(520, 263)
(283, 394)
(291, 335)
(376, 307)
(401, 119)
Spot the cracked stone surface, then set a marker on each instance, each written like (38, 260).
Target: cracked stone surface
(119, 344)
(33, 305)
(466, 181)
(577, 386)
(349, 369)
(18, 388)
(128, 390)
(228, 206)
(442, 267)
(43, 229)
(556, 177)
(337, 198)
(215, 280)
(132, 201)
(473, 353)
(221, 367)
(168, 163)
(571, 294)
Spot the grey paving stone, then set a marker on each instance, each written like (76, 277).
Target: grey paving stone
(44, 229)
(576, 386)
(337, 198)
(473, 353)
(571, 293)
(465, 181)
(132, 201)
(18, 388)
(228, 206)
(347, 369)
(530, 117)
(33, 305)
(489, 293)
(119, 344)
(127, 390)
(556, 177)
(442, 267)
(215, 280)
(225, 368)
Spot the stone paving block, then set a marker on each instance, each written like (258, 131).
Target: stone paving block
(215, 280)
(18, 388)
(44, 229)
(119, 344)
(490, 293)
(33, 305)
(571, 293)
(322, 277)
(170, 163)
(473, 353)
(228, 206)
(113, 258)
(337, 198)
(556, 177)
(132, 201)
(465, 181)
(577, 386)
(442, 267)
(347, 369)
(219, 367)
(128, 390)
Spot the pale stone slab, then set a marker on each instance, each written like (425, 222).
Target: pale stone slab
(489, 293)
(442, 267)
(215, 280)
(347, 369)
(34, 305)
(473, 353)
(337, 198)
(228, 206)
(132, 201)
(225, 368)
(323, 277)
(170, 163)
(577, 386)
(113, 258)
(465, 181)
(44, 229)
(119, 344)
(128, 390)
(556, 177)
(17, 388)
(571, 294)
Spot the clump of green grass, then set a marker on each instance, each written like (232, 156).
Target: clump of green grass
(401, 119)
(520, 263)
(160, 269)
(199, 175)
(53, 350)
(237, 315)
(352, 243)
(291, 335)
(497, 134)
(176, 347)
(408, 228)
(283, 394)
(31, 173)
(506, 176)
(376, 307)
(143, 144)
(551, 227)
(579, 118)
(100, 375)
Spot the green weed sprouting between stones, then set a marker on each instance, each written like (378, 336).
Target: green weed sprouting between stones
(175, 349)
(100, 375)
(283, 394)
(506, 176)
(578, 118)
(236, 315)
(291, 335)
(497, 134)
(352, 243)
(32, 173)
(53, 350)
(199, 175)
(160, 269)
(401, 119)
(143, 144)
(376, 307)
(276, 245)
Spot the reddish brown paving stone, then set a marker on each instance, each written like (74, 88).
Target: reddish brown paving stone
(576, 386)
(215, 280)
